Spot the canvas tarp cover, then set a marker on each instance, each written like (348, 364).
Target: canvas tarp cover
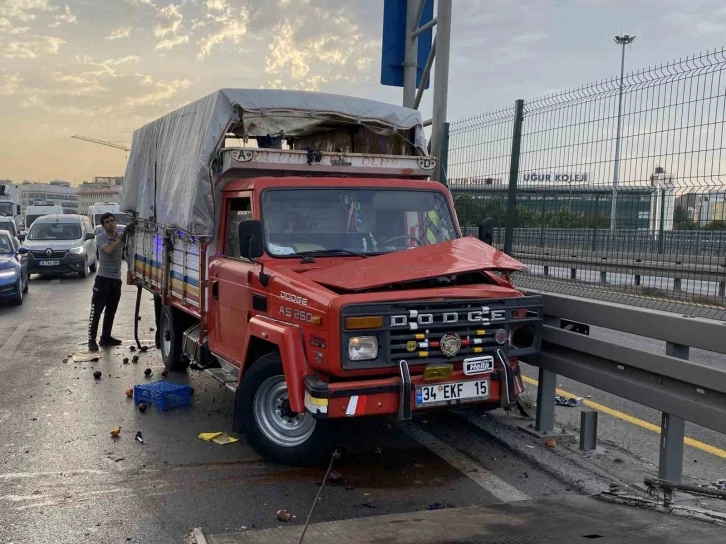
(169, 163)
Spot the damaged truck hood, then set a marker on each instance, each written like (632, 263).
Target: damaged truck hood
(447, 258)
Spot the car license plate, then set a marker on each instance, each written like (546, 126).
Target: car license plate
(478, 365)
(452, 392)
(49, 263)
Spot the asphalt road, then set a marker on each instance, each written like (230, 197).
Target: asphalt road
(63, 478)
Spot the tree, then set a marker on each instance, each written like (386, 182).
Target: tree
(681, 219)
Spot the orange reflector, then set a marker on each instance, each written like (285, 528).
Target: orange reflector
(317, 320)
(419, 336)
(481, 333)
(478, 350)
(423, 353)
(357, 323)
(437, 372)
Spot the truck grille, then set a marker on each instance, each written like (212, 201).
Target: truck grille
(41, 254)
(414, 330)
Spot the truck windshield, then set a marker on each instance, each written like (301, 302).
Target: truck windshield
(7, 208)
(371, 221)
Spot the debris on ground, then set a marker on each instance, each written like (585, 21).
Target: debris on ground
(129, 392)
(86, 357)
(142, 407)
(571, 402)
(132, 348)
(126, 360)
(147, 372)
(115, 431)
(113, 457)
(97, 374)
(283, 515)
(377, 450)
(218, 438)
(369, 504)
(335, 476)
(143, 348)
(139, 438)
(550, 443)
(717, 485)
(165, 373)
(135, 358)
(440, 505)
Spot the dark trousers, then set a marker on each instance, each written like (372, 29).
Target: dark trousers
(106, 294)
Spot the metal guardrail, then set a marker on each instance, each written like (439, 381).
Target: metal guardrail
(682, 390)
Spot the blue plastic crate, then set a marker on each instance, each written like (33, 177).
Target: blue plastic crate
(162, 394)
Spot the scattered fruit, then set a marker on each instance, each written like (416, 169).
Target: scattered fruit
(283, 515)
(142, 407)
(147, 372)
(115, 431)
(550, 443)
(165, 373)
(126, 360)
(135, 359)
(97, 374)
(143, 348)
(132, 348)
(129, 392)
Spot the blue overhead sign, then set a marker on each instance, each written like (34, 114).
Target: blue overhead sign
(394, 42)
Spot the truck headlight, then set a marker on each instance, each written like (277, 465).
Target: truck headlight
(363, 348)
(78, 250)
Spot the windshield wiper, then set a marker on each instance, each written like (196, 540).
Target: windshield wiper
(324, 252)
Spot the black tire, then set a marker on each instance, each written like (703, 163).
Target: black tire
(84, 273)
(27, 283)
(94, 266)
(172, 324)
(268, 369)
(18, 301)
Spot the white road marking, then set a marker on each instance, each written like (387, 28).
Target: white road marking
(8, 348)
(477, 473)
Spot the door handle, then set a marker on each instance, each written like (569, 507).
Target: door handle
(215, 290)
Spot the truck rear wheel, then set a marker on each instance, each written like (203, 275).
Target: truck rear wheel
(171, 330)
(274, 431)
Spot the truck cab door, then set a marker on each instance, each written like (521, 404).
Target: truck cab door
(229, 290)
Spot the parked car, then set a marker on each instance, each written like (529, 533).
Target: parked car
(8, 224)
(13, 269)
(61, 244)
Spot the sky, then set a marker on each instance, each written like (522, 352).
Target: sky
(102, 68)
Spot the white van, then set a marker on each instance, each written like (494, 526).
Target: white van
(34, 212)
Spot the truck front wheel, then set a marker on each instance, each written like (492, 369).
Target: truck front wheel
(274, 431)
(171, 329)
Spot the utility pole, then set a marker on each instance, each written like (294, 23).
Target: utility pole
(441, 74)
(623, 41)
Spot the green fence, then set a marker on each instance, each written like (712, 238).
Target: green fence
(642, 222)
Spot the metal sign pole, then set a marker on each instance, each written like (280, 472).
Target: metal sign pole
(441, 74)
(410, 64)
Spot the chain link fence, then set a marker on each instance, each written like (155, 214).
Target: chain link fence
(642, 223)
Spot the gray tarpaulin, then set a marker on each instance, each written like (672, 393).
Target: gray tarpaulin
(169, 163)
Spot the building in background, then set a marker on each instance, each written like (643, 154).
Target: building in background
(109, 180)
(91, 193)
(663, 203)
(703, 206)
(56, 193)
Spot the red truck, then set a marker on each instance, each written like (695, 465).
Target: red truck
(319, 273)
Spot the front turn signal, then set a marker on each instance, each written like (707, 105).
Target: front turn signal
(361, 323)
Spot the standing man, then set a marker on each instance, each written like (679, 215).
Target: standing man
(107, 287)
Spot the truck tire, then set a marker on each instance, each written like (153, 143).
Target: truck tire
(171, 330)
(271, 428)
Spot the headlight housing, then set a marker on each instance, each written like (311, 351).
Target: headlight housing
(77, 250)
(363, 348)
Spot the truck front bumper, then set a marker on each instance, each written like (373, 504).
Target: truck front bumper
(398, 395)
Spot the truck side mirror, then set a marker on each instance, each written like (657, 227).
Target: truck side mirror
(486, 231)
(251, 239)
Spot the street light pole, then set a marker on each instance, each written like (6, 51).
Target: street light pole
(620, 40)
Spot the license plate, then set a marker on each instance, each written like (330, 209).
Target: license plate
(49, 263)
(453, 392)
(478, 365)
